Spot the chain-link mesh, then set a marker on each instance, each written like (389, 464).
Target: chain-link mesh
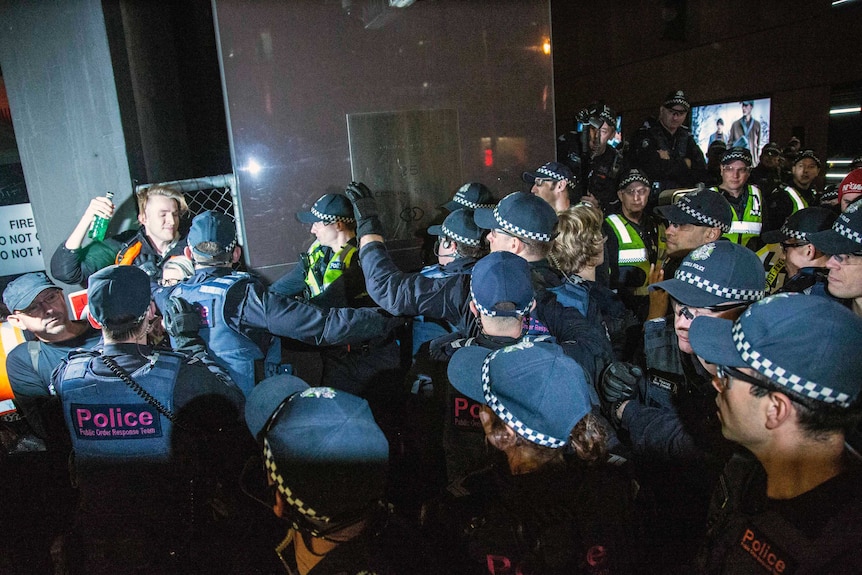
(214, 193)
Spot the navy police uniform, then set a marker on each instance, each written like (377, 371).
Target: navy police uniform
(249, 311)
(136, 466)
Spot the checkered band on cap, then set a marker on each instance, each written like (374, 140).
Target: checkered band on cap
(551, 174)
(460, 198)
(507, 416)
(634, 176)
(458, 237)
(517, 230)
(717, 290)
(848, 233)
(492, 313)
(783, 377)
(684, 205)
(791, 233)
(734, 154)
(330, 218)
(294, 501)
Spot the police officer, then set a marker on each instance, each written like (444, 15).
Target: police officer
(596, 165)
(745, 199)
(633, 243)
(667, 413)
(551, 506)
(666, 151)
(326, 275)
(327, 461)
(522, 224)
(800, 193)
(237, 315)
(329, 276)
(135, 415)
(552, 183)
(792, 501)
(843, 243)
(802, 267)
(501, 296)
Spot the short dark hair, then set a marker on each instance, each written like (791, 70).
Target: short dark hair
(214, 251)
(123, 327)
(817, 419)
(466, 251)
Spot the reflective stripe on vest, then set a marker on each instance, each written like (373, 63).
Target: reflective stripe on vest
(741, 231)
(108, 421)
(632, 250)
(799, 202)
(334, 268)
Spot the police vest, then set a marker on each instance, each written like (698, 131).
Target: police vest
(108, 421)
(799, 202)
(743, 230)
(317, 283)
(230, 349)
(632, 250)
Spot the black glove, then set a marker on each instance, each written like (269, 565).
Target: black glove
(182, 321)
(364, 209)
(619, 383)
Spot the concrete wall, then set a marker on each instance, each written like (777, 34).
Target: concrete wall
(57, 70)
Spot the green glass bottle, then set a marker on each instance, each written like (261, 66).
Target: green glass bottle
(100, 224)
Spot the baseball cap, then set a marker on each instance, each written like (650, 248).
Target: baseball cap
(634, 175)
(856, 162)
(845, 237)
(471, 195)
(21, 291)
(520, 214)
(717, 273)
(459, 226)
(533, 387)
(737, 153)
(800, 224)
(806, 154)
(769, 335)
(118, 292)
(210, 226)
(328, 208)
(502, 277)
(676, 98)
(771, 149)
(701, 208)
(852, 183)
(553, 170)
(830, 192)
(322, 447)
(715, 144)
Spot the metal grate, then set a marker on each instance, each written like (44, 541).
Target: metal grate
(217, 193)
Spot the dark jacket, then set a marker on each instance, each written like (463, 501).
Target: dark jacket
(76, 266)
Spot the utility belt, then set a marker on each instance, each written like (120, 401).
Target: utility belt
(364, 347)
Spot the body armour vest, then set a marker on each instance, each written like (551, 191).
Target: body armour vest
(108, 421)
(317, 282)
(228, 348)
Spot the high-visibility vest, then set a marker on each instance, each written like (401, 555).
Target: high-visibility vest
(334, 268)
(743, 230)
(632, 250)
